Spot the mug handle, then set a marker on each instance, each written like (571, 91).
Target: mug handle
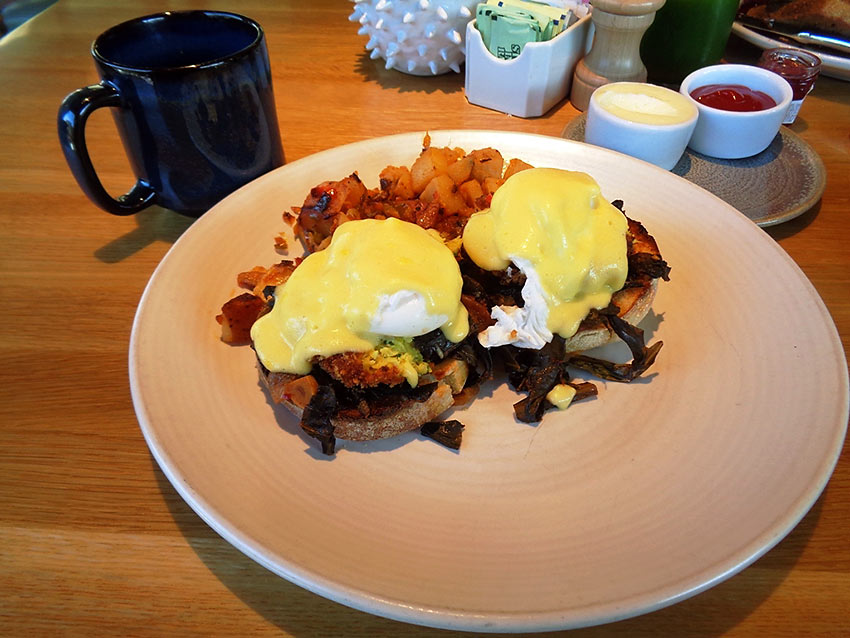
(73, 113)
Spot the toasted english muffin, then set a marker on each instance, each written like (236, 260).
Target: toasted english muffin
(634, 305)
(398, 412)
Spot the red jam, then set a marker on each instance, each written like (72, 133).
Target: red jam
(732, 97)
(799, 68)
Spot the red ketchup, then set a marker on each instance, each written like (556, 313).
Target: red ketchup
(732, 97)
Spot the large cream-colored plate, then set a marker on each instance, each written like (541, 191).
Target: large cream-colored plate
(618, 506)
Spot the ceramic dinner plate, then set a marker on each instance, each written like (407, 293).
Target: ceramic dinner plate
(619, 505)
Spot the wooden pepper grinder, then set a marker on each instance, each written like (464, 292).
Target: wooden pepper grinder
(615, 53)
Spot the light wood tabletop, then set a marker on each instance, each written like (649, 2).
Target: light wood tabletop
(94, 539)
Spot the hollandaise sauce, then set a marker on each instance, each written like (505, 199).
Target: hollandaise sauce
(556, 226)
(338, 299)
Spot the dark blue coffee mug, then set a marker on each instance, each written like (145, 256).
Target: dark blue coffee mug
(192, 99)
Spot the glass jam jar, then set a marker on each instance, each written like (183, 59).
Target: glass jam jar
(799, 68)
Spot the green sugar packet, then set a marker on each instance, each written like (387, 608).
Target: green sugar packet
(552, 20)
(506, 30)
(509, 36)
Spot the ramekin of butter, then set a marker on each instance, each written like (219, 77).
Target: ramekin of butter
(528, 78)
(741, 109)
(643, 120)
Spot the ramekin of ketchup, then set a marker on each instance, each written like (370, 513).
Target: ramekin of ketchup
(741, 108)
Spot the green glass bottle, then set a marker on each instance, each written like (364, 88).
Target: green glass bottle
(686, 35)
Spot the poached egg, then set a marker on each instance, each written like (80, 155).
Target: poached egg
(569, 242)
(377, 279)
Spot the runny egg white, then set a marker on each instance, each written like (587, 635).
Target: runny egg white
(558, 230)
(377, 279)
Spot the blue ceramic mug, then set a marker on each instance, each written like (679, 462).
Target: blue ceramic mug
(191, 94)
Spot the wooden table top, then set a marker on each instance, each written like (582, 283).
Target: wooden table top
(94, 539)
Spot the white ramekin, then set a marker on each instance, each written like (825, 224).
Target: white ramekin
(732, 134)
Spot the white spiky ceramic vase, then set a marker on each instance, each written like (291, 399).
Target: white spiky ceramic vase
(419, 37)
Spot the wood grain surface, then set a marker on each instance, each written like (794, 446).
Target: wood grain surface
(94, 540)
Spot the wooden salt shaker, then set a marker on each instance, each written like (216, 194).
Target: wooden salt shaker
(615, 53)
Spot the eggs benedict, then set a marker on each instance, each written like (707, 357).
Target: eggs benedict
(555, 227)
(378, 280)
(345, 320)
(562, 271)
(570, 249)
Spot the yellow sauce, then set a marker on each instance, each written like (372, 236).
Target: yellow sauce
(645, 103)
(572, 236)
(561, 396)
(327, 305)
